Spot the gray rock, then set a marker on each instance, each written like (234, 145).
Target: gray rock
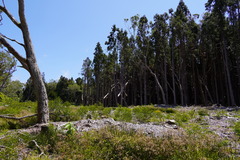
(171, 122)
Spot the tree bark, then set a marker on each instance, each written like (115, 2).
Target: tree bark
(30, 62)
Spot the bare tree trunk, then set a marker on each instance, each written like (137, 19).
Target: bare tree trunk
(41, 93)
(30, 62)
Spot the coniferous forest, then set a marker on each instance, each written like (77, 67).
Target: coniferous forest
(178, 58)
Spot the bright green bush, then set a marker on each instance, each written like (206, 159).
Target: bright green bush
(3, 98)
(142, 113)
(157, 116)
(123, 114)
(107, 112)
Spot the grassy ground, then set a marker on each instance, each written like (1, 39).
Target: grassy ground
(197, 142)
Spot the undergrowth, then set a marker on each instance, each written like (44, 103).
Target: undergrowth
(111, 143)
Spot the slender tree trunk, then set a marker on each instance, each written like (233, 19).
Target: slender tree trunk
(229, 82)
(165, 79)
(173, 76)
(158, 83)
(216, 84)
(145, 83)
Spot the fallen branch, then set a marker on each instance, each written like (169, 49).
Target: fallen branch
(39, 148)
(17, 118)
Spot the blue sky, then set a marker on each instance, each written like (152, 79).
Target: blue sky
(64, 33)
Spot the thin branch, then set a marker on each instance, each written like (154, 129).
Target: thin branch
(22, 60)
(39, 148)
(3, 2)
(10, 16)
(12, 40)
(158, 83)
(17, 118)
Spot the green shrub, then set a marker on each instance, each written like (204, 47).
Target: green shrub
(123, 114)
(182, 117)
(4, 124)
(107, 111)
(203, 112)
(62, 111)
(236, 128)
(18, 109)
(143, 114)
(111, 143)
(3, 98)
(168, 110)
(157, 116)
(82, 111)
(48, 138)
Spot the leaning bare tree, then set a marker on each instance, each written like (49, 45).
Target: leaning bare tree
(28, 62)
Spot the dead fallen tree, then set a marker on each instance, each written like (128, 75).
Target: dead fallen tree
(17, 118)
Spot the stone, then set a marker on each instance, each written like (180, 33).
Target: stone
(171, 122)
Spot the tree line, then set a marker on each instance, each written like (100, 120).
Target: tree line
(175, 59)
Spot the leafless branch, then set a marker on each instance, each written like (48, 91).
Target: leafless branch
(22, 60)
(39, 148)
(17, 118)
(3, 2)
(12, 40)
(1, 18)
(10, 16)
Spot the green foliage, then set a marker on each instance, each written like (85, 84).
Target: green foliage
(107, 111)
(203, 112)
(12, 143)
(236, 128)
(9, 152)
(14, 89)
(17, 109)
(62, 111)
(183, 117)
(157, 116)
(28, 91)
(123, 114)
(3, 98)
(143, 114)
(111, 143)
(7, 67)
(167, 110)
(82, 111)
(70, 128)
